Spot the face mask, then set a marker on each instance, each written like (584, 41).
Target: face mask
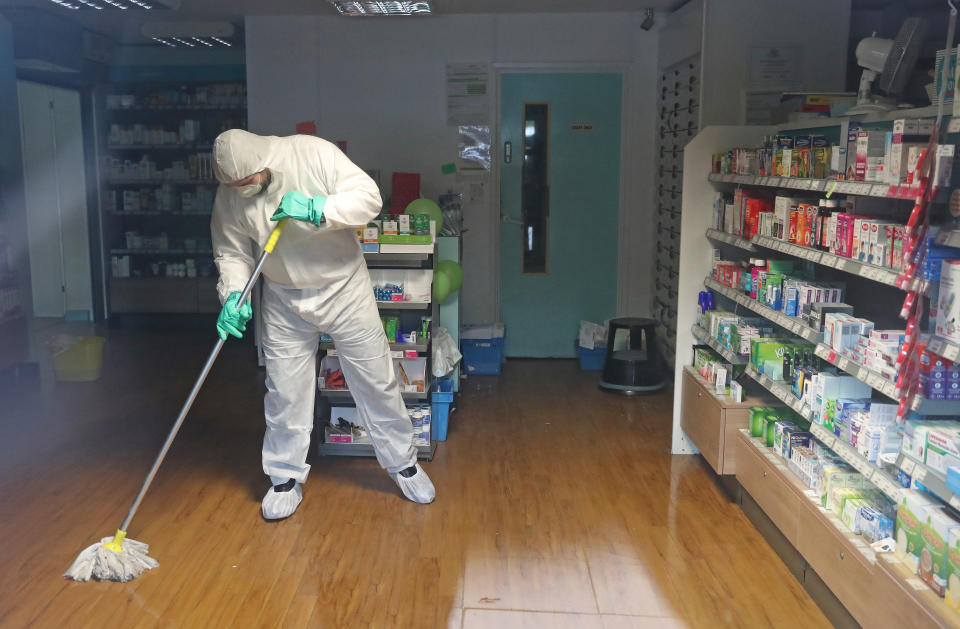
(249, 191)
(254, 189)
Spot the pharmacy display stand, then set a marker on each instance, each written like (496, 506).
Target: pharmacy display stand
(410, 263)
(875, 588)
(157, 189)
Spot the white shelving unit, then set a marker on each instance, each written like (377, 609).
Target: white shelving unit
(412, 257)
(792, 324)
(704, 337)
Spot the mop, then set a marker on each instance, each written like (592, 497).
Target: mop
(118, 558)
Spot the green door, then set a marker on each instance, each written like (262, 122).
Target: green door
(559, 206)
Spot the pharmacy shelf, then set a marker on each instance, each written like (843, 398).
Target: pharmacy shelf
(943, 347)
(5, 319)
(123, 181)
(788, 323)
(935, 482)
(424, 453)
(921, 594)
(826, 517)
(883, 481)
(827, 186)
(163, 214)
(781, 390)
(909, 595)
(396, 350)
(730, 239)
(403, 305)
(154, 147)
(869, 377)
(869, 271)
(230, 108)
(704, 337)
(160, 252)
(875, 381)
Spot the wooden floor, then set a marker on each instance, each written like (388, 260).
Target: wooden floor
(558, 507)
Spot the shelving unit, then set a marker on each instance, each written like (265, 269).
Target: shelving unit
(832, 186)
(704, 337)
(932, 480)
(787, 323)
(874, 590)
(417, 257)
(162, 124)
(730, 239)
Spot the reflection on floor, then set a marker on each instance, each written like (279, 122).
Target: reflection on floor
(558, 506)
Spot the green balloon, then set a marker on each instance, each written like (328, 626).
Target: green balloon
(441, 287)
(426, 206)
(452, 270)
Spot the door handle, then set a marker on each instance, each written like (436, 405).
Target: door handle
(509, 220)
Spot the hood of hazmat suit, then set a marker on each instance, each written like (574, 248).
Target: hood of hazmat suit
(322, 258)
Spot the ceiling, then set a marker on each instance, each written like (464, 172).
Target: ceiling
(124, 26)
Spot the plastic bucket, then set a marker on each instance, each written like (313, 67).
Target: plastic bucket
(81, 362)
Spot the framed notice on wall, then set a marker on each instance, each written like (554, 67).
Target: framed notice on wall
(773, 66)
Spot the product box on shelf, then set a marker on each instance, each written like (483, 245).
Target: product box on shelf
(943, 449)
(943, 165)
(910, 513)
(874, 525)
(838, 475)
(935, 529)
(952, 595)
(948, 307)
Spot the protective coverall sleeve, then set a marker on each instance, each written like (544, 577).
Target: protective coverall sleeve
(353, 199)
(232, 248)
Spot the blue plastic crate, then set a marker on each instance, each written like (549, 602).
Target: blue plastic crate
(591, 359)
(442, 398)
(482, 357)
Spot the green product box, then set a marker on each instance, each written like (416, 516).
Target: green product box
(421, 224)
(780, 267)
(401, 239)
(908, 533)
(390, 327)
(952, 595)
(758, 420)
(935, 531)
(771, 419)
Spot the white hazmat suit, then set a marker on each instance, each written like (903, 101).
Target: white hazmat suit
(315, 281)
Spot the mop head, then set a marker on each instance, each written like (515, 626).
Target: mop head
(112, 559)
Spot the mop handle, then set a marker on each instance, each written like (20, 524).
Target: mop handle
(267, 250)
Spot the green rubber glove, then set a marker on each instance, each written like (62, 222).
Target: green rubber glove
(300, 207)
(233, 319)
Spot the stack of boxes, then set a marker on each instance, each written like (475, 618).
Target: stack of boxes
(939, 377)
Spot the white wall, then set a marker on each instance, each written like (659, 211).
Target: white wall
(379, 85)
(820, 28)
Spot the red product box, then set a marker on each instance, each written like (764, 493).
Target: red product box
(754, 208)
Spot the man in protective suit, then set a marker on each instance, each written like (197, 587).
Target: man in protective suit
(315, 281)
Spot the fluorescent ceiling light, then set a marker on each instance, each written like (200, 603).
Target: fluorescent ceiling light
(189, 34)
(117, 4)
(382, 8)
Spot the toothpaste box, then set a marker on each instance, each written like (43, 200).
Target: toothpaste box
(910, 514)
(934, 567)
(942, 449)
